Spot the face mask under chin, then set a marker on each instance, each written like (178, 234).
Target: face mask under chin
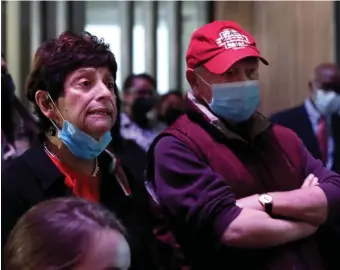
(81, 144)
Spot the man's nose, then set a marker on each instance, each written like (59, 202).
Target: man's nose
(242, 76)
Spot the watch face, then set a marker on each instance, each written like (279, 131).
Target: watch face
(265, 198)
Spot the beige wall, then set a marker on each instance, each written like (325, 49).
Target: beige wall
(293, 36)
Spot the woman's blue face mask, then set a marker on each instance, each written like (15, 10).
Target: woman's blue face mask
(78, 142)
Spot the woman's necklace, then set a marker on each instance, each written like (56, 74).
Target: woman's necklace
(96, 169)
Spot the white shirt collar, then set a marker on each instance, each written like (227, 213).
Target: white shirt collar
(202, 108)
(311, 110)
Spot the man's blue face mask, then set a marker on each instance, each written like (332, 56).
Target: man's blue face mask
(78, 142)
(235, 102)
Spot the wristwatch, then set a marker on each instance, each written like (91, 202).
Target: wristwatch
(267, 202)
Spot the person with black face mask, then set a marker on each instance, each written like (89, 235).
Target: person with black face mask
(139, 119)
(140, 109)
(17, 124)
(170, 107)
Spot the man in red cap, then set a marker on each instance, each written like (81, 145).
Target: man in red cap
(236, 191)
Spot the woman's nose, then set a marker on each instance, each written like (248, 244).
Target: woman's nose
(105, 91)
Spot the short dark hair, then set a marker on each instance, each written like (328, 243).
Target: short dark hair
(164, 97)
(172, 92)
(128, 83)
(55, 233)
(56, 58)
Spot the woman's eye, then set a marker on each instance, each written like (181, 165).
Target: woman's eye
(111, 85)
(84, 83)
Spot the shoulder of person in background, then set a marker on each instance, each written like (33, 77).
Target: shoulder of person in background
(28, 124)
(14, 193)
(286, 114)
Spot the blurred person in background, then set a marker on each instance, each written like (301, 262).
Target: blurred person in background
(170, 107)
(236, 191)
(67, 233)
(317, 120)
(71, 86)
(18, 127)
(139, 119)
(129, 153)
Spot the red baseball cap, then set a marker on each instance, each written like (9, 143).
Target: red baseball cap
(220, 44)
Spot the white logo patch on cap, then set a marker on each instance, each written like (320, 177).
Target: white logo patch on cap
(232, 39)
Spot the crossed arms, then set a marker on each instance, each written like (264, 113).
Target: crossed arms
(303, 210)
(188, 187)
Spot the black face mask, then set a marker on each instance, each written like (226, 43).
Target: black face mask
(139, 110)
(171, 115)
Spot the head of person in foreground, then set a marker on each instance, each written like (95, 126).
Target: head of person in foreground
(68, 234)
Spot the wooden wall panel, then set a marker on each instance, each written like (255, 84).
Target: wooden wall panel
(240, 11)
(293, 36)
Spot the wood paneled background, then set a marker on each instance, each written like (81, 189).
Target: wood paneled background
(293, 36)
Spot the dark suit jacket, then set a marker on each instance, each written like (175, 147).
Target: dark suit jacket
(133, 158)
(297, 120)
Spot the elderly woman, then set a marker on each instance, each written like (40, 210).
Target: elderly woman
(73, 234)
(71, 86)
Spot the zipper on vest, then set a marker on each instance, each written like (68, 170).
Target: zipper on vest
(288, 161)
(290, 165)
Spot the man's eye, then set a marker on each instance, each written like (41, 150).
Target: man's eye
(230, 73)
(253, 73)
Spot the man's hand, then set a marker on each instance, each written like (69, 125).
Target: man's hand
(310, 181)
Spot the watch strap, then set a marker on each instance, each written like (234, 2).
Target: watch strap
(268, 207)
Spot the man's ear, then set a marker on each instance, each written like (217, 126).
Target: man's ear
(45, 104)
(191, 78)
